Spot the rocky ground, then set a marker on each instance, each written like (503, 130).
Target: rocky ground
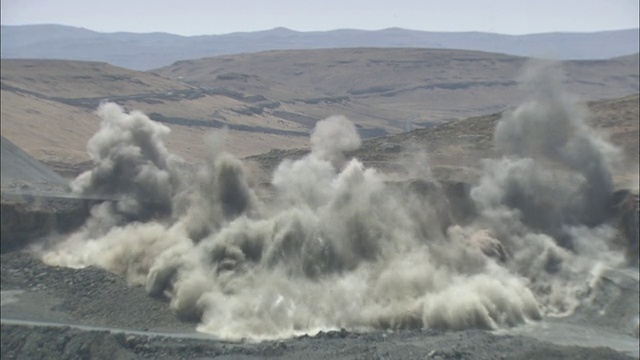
(62, 313)
(82, 296)
(24, 342)
(144, 327)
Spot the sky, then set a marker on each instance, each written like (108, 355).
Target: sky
(206, 17)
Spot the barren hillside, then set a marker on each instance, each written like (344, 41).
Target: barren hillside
(48, 110)
(61, 79)
(488, 235)
(272, 100)
(454, 150)
(389, 86)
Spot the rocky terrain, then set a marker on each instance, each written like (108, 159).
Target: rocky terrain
(510, 235)
(141, 327)
(26, 342)
(454, 149)
(64, 313)
(272, 100)
(388, 88)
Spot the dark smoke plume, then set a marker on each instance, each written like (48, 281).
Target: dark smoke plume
(551, 126)
(132, 163)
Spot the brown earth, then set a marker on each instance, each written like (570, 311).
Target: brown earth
(53, 118)
(272, 100)
(95, 297)
(384, 87)
(81, 79)
(454, 150)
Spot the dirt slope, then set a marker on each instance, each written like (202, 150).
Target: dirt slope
(424, 85)
(454, 149)
(80, 79)
(272, 100)
(17, 165)
(48, 110)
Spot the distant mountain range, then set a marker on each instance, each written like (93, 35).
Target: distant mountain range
(154, 50)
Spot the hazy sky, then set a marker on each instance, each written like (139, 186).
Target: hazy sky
(198, 17)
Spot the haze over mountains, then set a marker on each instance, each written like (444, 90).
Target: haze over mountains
(154, 50)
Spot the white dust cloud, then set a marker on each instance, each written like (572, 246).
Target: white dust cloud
(339, 245)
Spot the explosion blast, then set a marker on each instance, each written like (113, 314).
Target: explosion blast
(339, 245)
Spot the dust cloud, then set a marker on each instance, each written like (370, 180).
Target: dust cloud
(339, 245)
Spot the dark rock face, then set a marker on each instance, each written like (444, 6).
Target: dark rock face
(624, 209)
(18, 165)
(24, 221)
(60, 343)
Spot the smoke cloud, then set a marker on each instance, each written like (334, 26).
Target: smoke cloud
(339, 245)
(550, 126)
(131, 163)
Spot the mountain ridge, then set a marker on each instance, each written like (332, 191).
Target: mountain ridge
(145, 51)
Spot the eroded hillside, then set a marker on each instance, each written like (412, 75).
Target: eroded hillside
(273, 100)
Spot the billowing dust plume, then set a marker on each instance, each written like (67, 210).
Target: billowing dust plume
(339, 245)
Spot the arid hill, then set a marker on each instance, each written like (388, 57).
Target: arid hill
(48, 110)
(272, 100)
(454, 149)
(387, 87)
(524, 239)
